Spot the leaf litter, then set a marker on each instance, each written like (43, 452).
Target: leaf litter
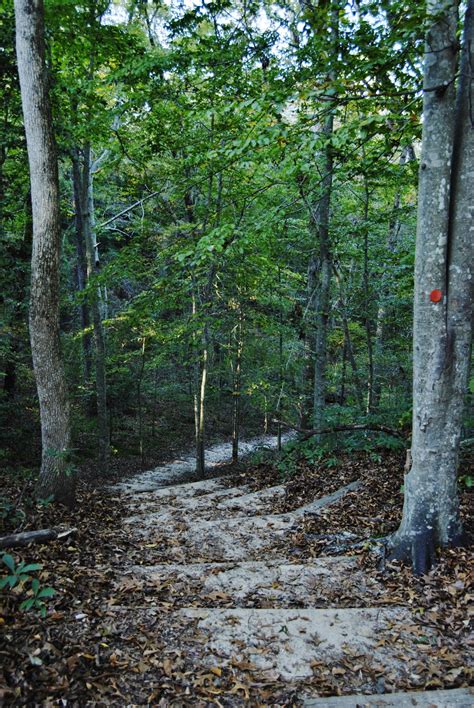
(112, 637)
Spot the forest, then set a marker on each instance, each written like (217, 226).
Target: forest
(236, 392)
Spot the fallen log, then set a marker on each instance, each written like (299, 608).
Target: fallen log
(306, 434)
(15, 540)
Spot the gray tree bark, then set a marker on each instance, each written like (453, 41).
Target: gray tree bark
(367, 299)
(348, 348)
(237, 384)
(322, 301)
(81, 268)
(56, 475)
(443, 293)
(92, 260)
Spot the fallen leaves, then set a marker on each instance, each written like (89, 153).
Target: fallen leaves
(109, 636)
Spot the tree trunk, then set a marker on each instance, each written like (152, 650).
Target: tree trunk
(381, 322)
(366, 280)
(443, 295)
(238, 336)
(81, 267)
(323, 298)
(324, 267)
(348, 349)
(206, 304)
(307, 369)
(201, 409)
(88, 224)
(200, 382)
(281, 373)
(140, 403)
(342, 389)
(56, 475)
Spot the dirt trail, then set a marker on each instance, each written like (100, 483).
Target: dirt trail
(246, 605)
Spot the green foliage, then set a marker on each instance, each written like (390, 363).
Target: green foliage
(10, 513)
(44, 503)
(467, 481)
(19, 577)
(64, 457)
(209, 122)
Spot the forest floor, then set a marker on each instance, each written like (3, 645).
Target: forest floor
(238, 589)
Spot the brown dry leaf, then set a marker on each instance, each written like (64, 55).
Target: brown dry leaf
(142, 667)
(168, 667)
(244, 665)
(217, 596)
(241, 690)
(129, 584)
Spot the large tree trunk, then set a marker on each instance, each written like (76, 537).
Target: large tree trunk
(56, 475)
(442, 326)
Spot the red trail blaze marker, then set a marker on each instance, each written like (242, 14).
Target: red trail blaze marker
(436, 295)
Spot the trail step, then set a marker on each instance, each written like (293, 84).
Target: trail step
(293, 644)
(161, 485)
(272, 582)
(195, 496)
(456, 697)
(225, 539)
(253, 502)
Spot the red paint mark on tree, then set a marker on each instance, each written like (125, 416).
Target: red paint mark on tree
(436, 295)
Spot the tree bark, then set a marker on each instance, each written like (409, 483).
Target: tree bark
(443, 294)
(348, 348)
(81, 267)
(140, 403)
(367, 298)
(321, 262)
(56, 477)
(92, 260)
(381, 329)
(322, 301)
(236, 386)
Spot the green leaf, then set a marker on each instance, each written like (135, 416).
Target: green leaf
(27, 604)
(46, 592)
(31, 567)
(9, 562)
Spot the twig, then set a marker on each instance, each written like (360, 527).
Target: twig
(306, 434)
